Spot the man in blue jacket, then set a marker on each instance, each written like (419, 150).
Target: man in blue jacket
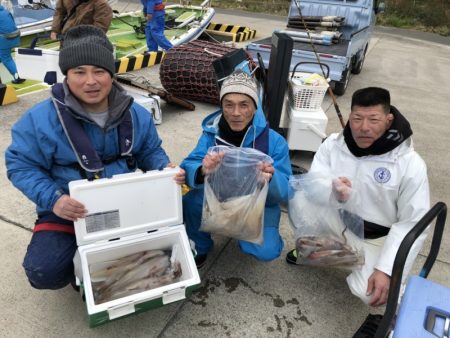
(154, 29)
(240, 123)
(9, 38)
(89, 128)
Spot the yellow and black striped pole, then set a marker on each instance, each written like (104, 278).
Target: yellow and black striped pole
(139, 61)
(7, 94)
(234, 33)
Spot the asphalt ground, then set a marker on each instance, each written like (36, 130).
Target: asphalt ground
(239, 296)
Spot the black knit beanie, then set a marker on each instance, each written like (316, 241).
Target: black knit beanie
(86, 45)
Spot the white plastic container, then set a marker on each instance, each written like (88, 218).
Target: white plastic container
(307, 129)
(35, 64)
(151, 103)
(127, 214)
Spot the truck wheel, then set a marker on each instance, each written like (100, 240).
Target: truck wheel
(360, 63)
(341, 86)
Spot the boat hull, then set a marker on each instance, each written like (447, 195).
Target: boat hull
(27, 15)
(125, 33)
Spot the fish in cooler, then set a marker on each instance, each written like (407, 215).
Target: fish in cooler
(134, 273)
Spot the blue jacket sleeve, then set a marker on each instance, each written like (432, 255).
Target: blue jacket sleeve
(150, 155)
(29, 161)
(194, 160)
(279, 184)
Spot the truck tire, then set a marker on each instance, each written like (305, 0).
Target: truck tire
(341, 86)
(360, 63)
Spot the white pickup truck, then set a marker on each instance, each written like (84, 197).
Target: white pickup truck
(345, 57)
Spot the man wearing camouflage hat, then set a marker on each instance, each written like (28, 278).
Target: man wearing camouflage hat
(89, 128)
(239, 123)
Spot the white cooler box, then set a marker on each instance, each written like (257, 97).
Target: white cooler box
(306, 129)
(129, 214)
(151, 103)
(35, 64)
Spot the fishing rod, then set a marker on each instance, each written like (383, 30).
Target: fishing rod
(333, 98)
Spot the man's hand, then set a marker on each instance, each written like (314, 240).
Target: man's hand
(53, 36)
(378, 288)
(180, 176)
(149, 17)
(210, 162)
(341, 187)
(69, 208)
(267, 170)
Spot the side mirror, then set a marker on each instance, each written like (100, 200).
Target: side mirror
(380, 8)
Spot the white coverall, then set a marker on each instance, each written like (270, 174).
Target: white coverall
(393, 190)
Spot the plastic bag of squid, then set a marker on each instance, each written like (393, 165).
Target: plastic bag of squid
(235, 194)
(328, 232)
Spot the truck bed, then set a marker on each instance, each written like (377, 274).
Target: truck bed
(339, 49)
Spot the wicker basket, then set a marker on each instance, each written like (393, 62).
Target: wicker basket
(305, 97)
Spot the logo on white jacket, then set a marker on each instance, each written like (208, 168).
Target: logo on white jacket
(382, 175)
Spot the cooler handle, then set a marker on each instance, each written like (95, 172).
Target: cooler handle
(173, 295)
(430, 321)
(316, 131)
(121, 310)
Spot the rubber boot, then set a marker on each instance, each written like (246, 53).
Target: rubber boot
(17, 79)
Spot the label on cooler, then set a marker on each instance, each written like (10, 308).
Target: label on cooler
(102, 221)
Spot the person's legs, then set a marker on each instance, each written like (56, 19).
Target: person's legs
(270, 248)
(48, 262)
(358, 280)
(157, 30)
(151, 43)
(7, 60)
(192, 215)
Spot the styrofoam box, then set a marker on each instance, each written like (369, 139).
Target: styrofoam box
(306, 129)
(130, 213)
(34, 64)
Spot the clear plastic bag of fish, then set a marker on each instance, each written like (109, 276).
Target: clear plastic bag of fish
(235, 195)
(327, 231)
(134, 273)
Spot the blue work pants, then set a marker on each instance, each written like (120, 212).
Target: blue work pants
(270, 249)
(154, 33)
(48, 262)
(7, 60)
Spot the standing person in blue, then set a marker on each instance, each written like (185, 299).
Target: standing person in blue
(240, 123)
(9, 38)
(89, 128)
(154, 29)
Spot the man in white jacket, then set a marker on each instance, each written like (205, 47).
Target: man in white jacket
(375, 151)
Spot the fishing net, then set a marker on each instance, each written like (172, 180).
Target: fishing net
(192, 70)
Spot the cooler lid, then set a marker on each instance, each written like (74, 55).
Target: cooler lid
(300, 115)
(127, 204)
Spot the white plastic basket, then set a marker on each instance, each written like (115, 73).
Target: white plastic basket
(305, 97)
